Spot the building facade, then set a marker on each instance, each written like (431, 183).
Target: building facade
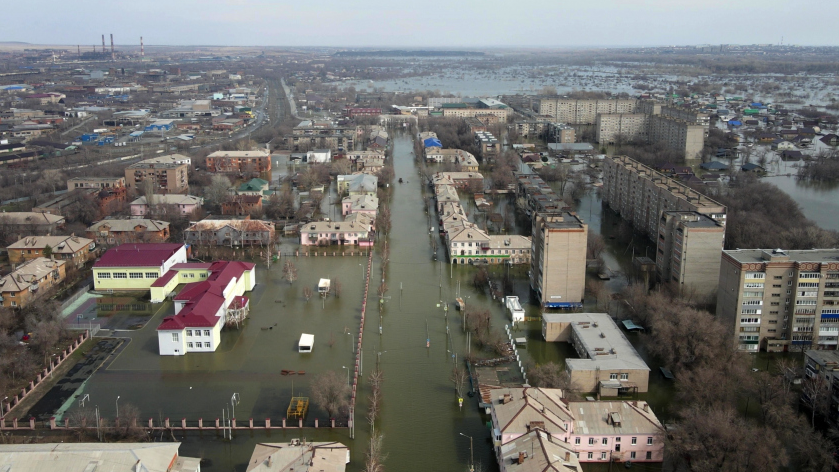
(166, 177)
(130, 267)
(558, 259)
(239, 161)
(582, 112)
(95, 182)
(688, 251)
(230, 232)
(779, 300)
(30, 281)
(112, 231)
(73, 249)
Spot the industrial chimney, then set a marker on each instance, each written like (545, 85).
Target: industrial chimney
(113, 57)
(142, 52)
(103, 43)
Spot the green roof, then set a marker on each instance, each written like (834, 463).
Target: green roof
(253, 184)
(454, 105)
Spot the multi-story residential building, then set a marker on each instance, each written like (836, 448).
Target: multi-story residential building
(241, 205)
(357, 156)
(230, 232)
(825, 365)
(622, 127)
(608, 363)
(459, 179)
(182, 205)
(595, 431)
(29, 222)
(109, 200)
(130, 267)
(531, 128)
(114, 230)
(489, 145)
(355, 230)
(213, 297)
(561, 133)
(470, 245)
(641, 195)
(780, 300)
(679, 135)
(318, 134)
(113, 457)
(95, 182)
(582, 112)
(72, 249)
(166, 177)
(30, 280)
(354, 112)
(360, 204)
(688, 251)
(239, 161)
(558, 259)
(464, 159)
(357, 184)
(652, 107)
(538, 195)
(464, 110)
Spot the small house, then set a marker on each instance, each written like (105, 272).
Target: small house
(306, 342)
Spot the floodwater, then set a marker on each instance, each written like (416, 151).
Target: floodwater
(818, 200)
(420, 418)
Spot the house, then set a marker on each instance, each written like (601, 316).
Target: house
(464, 159)
(181, 205)
(360, 204)
(459, 179)
(128, 230)
(357, 184)
(792, 155)
(86, 457)
(766, 137)
(830, 139)
(241, 205)
(608, 363)
(253, 187)
(356, 156)
(31, 222)
(782, 145)
(370, 165)
(299, 456)
(212, 297)
(95, 182)
(752, 167)
(596, 431)
(72, 249)
(130, 267)
(239, 161)
(713, 166)
(356, 230)
(30, 280)
(108, 200)
(319, 155)
(471, 245)
(230, 232)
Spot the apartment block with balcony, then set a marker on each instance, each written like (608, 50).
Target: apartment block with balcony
(677, 134)
(166, 177)
(30, 280)
(641, 195)
(688, 251)
(239, 161)
(622, 127)
(825, 365)
(778, 300)
(582, 112)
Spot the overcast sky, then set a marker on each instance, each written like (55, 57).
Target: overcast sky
(429, 23)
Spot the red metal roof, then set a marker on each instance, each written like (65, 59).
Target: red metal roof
(164, 279)
(192, 265)
(138, 255)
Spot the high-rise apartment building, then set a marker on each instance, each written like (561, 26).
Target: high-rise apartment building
(678, 135)
(558, 259)
(780, 300)
(582, 112)
(622, 127)
(688, 252)
(641, 195)
(166, 174)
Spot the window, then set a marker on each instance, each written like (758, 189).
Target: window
(605, 441)
(618, 439)
(649, 455)
(613, 376)
(120, 275)
(207, 332)
(753, 285)
(624, 376)
(602, 456)
(576, 440)
(189, 345)
(207, 345)
(175, 337)
(809, 275)
(189, 333)
(591, 455)
(634, 441)
(650, 441)
(591, 441)
(135, 275)
(104, 275)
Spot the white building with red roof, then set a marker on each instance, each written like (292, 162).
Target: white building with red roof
(135, 266)
(213, 296)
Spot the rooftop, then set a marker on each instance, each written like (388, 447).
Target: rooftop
(30, 218)
(299, 456)
(28, 273)
(170, 199)
(86, 457)
(138, 255)
(601, 342)
(116, 225)
(539, 452)
(775, 255)
(517, 409)
(58, 244)
(614, 418)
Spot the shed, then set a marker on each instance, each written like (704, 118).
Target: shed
(306, 342)
(713, 165)
(515, 309)
(323, 286)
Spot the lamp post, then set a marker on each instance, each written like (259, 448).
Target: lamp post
(117, 404)
(348, 374)
(471, 455)
(362, 271)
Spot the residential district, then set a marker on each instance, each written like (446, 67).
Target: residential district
(157, 211)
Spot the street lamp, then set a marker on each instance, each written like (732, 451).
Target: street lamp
(348, 374)
(471, 455)
(117, 403)
(362, 271)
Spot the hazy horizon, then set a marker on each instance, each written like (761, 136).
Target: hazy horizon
(432, 24)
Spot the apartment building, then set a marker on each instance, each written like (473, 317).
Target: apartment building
(239, 161)
(641, 195)
(166, 177)
(488, 144)
(459, 157)
(213, 231)
(677, 134)
(825, 364)
(622, 127)
(95, 183)
(653, 107)
(30, 280)
(688, 252)
(558, 259)
(29, 222)
(115, 230)
(538, 195)
(582, 112)
(607, 363)
(68, 248)
(779, 300)
(561, 133)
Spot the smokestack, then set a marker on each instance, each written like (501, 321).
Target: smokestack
(103, 43)
(142, 52)
(79, 49)
(112, 47)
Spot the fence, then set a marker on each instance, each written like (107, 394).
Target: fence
(76, 296)
(358, 347)
(7, 405)
(183, 424)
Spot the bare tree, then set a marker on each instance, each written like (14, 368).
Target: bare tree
(331, 392)
(375, 456)
(550, 375)
(290, 272)
(458, 378)
(336, 287)
(307, 293)
(815, 394)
